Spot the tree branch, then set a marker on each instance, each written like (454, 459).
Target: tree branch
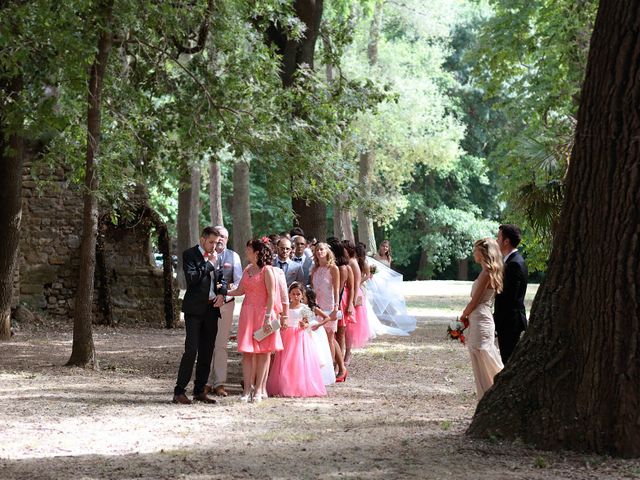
(203, 32)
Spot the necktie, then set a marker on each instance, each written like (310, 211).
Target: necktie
(283, 266)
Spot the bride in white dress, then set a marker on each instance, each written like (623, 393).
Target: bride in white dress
(386, 307)
(480, 339)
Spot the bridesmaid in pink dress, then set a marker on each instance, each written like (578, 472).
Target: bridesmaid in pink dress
(346, 279)
(260, 287)
(295, 371)
(325, 281)
(358, 333)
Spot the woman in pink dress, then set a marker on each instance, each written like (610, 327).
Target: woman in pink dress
(346, 280)
(260, 288)
(295, 371)
(358, 333)
(325, 281)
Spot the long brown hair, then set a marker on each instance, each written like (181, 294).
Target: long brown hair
(385, 255)
(491, 260)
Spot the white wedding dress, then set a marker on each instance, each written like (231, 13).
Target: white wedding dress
(386, 307)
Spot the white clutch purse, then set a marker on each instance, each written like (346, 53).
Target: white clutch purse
(260, 334)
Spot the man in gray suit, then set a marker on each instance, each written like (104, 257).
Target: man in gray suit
(301, 256)
(293, 271)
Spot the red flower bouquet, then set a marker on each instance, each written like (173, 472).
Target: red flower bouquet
(455, 330)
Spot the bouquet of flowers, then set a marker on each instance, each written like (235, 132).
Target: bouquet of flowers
(373, 269)
(455, 330)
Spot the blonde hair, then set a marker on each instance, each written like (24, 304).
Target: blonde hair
(491, 260)
(331, 258)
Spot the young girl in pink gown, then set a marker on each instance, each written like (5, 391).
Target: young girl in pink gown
(260, 288)
(295, 370)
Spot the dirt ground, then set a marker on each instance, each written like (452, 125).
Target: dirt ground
(402, 413)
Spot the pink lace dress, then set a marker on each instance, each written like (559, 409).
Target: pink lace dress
(254, 308)
(321, 281)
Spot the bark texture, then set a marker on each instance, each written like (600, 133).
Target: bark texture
(311, 216)
(215, 194)
(574, 380)
(11, 161)
(365, 223)
(241, 208)
(83, 350)
(342, 222)
(188, 203)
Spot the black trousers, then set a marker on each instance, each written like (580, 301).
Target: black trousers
(201, 331)
(507, 340)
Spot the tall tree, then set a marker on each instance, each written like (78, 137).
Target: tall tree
(11, 158)
(83, 350)
(367, 157)
(574, 380)
(215, 194)
(188, 213)
(241, 207)
(311, 214)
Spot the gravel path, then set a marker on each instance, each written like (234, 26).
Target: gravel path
(401, 414)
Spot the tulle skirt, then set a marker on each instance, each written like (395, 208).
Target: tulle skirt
(323, 351)
(358, 332)
(295, 370)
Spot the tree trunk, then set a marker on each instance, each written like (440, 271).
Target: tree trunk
(463, 269)
(296, 52)
(187, 210)
(11, 161)
(104, 280)
(215, 194)
(311, 216)
(83, 351)
(367, 158)
(574, 380)
(164, 247)
(241, 208)
(423, 266)
(365, 223)
(194, 217)
(342, 222)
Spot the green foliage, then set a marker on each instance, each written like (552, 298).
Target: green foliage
(530, 59)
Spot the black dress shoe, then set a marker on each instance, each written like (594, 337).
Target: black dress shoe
(182, 399)
(202, 397)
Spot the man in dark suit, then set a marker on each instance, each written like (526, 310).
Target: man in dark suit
(201, 306)
(509, 313)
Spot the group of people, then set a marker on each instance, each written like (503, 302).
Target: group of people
(304, 311)
(503, 280)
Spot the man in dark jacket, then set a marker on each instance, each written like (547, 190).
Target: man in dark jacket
(509, 314)
(201, 306)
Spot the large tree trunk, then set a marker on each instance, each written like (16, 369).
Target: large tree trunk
(188, 209)
(574, 380)
(241, 208)
(215, 194)
(296, 52)
(83, 351)
(11, 160)
(311, 216)
(365, 223)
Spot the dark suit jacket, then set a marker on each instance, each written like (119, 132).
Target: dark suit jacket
(509, 313)
(198, 273)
